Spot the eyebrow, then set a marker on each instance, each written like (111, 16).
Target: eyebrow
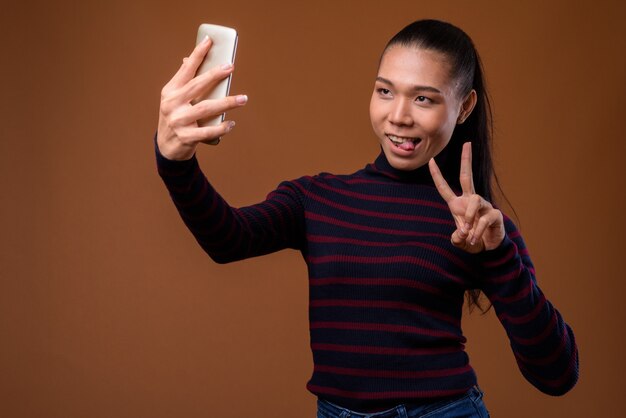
(416, 88)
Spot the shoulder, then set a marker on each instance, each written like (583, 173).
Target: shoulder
(327, 179)
(353, 185)
(316, 186)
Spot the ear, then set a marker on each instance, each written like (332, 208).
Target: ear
(467, 106)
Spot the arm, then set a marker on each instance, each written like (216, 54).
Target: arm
(543, 344)
(225, 233)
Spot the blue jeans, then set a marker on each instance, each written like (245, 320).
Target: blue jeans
(470, 405)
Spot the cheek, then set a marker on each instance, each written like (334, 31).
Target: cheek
(441, 125)
(376, 113)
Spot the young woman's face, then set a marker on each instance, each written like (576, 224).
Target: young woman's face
(414, 106)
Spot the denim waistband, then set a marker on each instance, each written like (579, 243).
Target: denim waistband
(398, 411)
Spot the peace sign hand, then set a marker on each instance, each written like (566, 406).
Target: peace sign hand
(479, 226)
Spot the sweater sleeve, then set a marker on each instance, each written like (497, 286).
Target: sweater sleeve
(229, 234)
(543, 344)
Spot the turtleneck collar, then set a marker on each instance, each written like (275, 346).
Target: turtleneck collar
(381, 167)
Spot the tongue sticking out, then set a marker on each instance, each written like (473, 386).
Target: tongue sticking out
(407, 145)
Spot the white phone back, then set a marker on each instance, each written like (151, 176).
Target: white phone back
(222, 52)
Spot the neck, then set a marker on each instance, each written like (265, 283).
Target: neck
(382, 167)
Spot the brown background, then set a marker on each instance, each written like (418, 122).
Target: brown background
(108, 308)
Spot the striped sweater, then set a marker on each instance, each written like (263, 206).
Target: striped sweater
(386, 284)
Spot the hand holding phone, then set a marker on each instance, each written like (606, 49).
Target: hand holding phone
(185, 102)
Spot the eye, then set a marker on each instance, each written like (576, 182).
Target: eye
(423, 99)
(383, 91)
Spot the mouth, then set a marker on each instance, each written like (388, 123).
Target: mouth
(404, 142)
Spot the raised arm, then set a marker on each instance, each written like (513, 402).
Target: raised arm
(228, 234)
(225, 233)
(543, 344)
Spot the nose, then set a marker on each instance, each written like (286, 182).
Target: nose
(400, 113)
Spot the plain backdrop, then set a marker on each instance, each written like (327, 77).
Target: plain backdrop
(108, 307)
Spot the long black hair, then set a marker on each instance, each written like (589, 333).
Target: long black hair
(467, 72)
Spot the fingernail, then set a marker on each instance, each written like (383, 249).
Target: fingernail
(241, 99)
(206, 39)
(231, 125)
(227, 66)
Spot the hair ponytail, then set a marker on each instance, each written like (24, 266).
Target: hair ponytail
(467, 71)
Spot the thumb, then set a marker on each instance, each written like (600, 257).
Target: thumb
(460, 240)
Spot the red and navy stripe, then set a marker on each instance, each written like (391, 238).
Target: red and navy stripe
(386, 285)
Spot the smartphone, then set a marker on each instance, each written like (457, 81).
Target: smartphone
(222, 51)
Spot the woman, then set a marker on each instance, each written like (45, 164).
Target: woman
(391, 249)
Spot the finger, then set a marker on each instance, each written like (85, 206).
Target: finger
(208, 108)
(205, 82)
(459, 238)
(466, 179)
(215, 135)
(190, 64)
(485, 221)
(440, 183)
(474, 206)
(206, 134)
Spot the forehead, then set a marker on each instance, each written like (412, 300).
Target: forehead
(406, 67)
